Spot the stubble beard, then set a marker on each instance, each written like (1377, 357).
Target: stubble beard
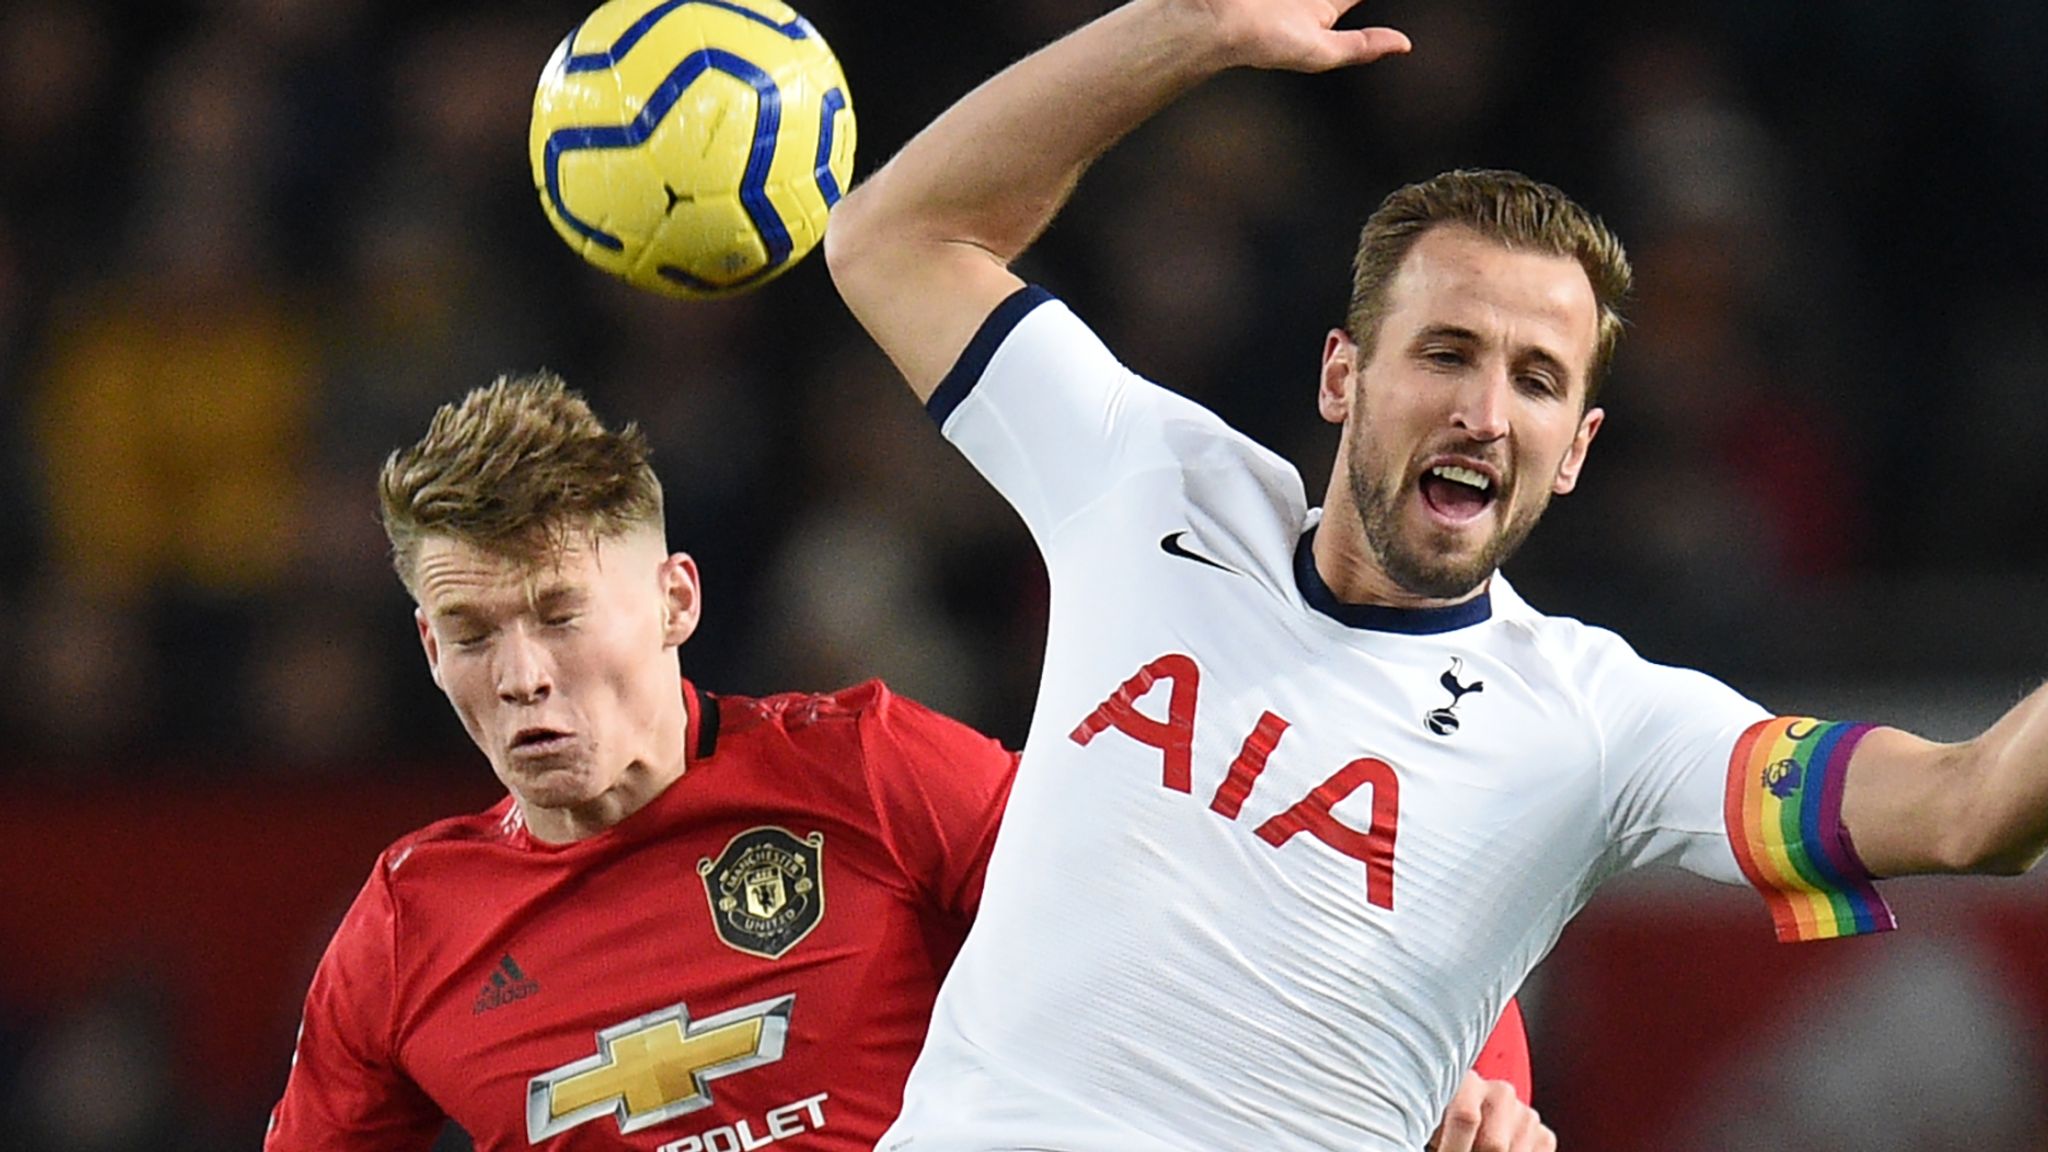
(1414, 565)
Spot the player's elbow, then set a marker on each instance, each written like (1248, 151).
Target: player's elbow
(847, 240)
(882, 246)
(1994, 833)
(2002, 852)
(2014, 863)
(861, 245)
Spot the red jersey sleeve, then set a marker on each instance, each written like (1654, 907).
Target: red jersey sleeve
(939, 788)
(1506, 1053)
(346, 1090)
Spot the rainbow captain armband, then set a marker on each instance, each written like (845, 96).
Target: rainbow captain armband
(1784, 813)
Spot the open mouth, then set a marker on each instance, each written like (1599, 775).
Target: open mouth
(540, 740)
(1457, 493)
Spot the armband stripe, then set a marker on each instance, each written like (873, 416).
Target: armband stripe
(1784, 816)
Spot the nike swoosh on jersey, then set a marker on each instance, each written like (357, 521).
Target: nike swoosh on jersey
(1171, 545)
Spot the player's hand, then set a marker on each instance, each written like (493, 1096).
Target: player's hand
(1295, 35)
(1487, 1116)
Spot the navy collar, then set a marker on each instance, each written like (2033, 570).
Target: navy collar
(1383, 617)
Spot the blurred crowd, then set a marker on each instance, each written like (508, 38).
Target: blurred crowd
(248, 246)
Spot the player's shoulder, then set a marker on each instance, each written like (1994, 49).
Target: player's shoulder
(1577, 657)
(863, 737)
(843, 714)
(1036, 335)
(794, 712)
(1598, 668)
(490, 827)
(1563, 638)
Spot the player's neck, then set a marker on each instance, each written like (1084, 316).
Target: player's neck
(635, 788)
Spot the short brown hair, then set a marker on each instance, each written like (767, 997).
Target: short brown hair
(1508, 208)
(517, 468)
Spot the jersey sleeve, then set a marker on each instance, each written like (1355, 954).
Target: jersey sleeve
(1505, 1055)
(1045, 411)
(345, 1088)
(939, 788)
(1697, 775)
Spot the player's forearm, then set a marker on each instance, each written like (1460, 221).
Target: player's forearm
(2010, 765)
(1915, 806)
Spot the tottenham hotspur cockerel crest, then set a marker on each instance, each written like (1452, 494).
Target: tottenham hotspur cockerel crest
(1444, 721)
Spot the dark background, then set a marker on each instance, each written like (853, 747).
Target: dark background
(246, 247)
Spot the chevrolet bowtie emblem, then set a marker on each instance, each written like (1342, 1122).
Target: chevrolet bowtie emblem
(656, 1067)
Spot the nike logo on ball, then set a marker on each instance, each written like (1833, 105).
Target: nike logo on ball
(1171, 545)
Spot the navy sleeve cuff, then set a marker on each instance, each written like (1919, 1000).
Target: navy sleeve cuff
(966, 371)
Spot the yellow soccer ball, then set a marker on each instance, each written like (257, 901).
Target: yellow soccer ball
(693, 147)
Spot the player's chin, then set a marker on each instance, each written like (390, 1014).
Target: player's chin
(1453, 545)
(551, 782)
(1444, 565)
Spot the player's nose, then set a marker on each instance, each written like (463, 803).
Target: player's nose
(1482, 402)
(522, 669)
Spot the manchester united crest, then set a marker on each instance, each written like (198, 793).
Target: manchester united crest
(767, 889)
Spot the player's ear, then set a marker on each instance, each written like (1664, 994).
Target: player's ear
(1340, 364)
(431, 644)
(682, 596)
(1575, 456)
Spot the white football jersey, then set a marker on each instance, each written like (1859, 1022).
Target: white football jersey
(1273, 864)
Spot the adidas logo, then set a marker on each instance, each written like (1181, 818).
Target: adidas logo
(507, 983)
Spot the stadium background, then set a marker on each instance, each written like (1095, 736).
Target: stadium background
(246, 246)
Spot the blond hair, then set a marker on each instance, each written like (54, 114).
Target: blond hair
(1508, 208)
(519, 468)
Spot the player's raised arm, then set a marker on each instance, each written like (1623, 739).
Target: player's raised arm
(921, 251)
(1911, 805)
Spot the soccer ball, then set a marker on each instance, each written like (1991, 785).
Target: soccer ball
(693, 147)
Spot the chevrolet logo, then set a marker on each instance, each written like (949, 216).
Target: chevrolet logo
(656, 1067)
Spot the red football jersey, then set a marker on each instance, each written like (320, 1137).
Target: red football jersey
(749, 958)
(1506, 1054)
